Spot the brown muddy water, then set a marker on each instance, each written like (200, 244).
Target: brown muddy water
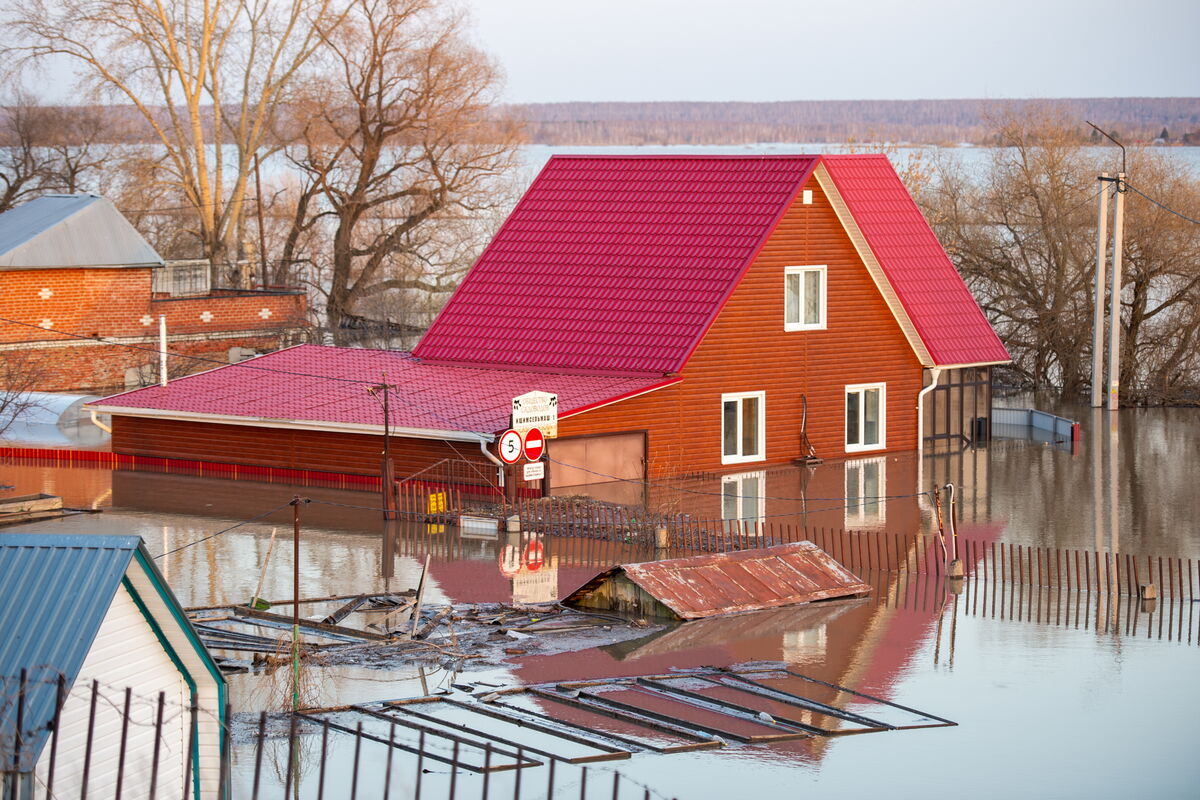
(1057, 694)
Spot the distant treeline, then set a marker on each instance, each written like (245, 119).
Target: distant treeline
(1133, 119)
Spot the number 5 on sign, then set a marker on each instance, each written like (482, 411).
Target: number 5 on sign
(510, 447)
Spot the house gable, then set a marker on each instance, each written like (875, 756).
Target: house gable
(747, 349)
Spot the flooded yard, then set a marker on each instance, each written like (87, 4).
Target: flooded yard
(1056, 692)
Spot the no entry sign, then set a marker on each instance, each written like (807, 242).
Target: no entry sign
(535, 444)
(510, 447)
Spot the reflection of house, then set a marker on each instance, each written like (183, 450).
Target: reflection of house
(95, 610)
(694, 314)
(85, 292)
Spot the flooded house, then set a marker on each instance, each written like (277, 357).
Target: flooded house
(718, 315)
(84, 293)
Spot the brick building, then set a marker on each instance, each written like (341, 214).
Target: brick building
(81, 293)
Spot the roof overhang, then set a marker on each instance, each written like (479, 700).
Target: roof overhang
(846, 218)
(290, 424)
(627, 396)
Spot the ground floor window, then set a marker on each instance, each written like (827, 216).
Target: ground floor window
(743, 501)
(743, 423)
(866, 488)
(866, 406)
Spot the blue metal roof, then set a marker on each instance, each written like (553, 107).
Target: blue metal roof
(54, 593)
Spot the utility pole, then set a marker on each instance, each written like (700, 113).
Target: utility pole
(1114, 294)
(1098, 309)
(1114, 329)
(387, 472)
(296, 603)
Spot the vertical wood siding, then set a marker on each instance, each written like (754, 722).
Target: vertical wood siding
(747, 350)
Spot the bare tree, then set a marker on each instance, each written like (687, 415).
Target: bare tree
(1023, 235)
(402, 154)
(21, 371)
(205, 78)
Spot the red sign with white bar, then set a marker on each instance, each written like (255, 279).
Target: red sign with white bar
(535, 444)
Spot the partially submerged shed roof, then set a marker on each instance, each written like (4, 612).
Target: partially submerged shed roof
(71, 230)
(726, 583)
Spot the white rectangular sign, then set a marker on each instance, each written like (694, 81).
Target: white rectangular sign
(536, 410)
(535, 470)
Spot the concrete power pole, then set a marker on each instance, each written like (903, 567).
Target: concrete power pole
(1114, 327)
(1098, 309)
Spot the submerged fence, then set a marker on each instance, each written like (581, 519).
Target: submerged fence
(65, 751)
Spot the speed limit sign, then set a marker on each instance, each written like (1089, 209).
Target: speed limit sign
(510, 446)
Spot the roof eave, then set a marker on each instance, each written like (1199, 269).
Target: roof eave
(291, 424)
(886, 290)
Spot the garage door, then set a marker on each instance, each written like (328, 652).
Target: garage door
(609, 467)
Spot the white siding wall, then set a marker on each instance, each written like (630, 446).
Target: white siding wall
(126, 653)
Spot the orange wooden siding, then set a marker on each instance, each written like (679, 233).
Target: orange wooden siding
(747, 350)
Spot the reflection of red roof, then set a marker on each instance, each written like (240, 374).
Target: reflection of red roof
(327, 386)
(941, 307)
(615, 263)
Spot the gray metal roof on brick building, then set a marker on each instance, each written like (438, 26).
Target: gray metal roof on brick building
(71, 230)
(55, 590)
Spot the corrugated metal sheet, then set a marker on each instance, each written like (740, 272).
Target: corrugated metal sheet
(54, 592)
(748, 580)
(947, 318)
(311, 383)
(71, 230)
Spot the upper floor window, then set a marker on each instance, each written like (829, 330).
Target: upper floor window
(803, 298)
(866, 406)
(743, 427)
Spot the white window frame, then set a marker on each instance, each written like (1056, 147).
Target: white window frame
(861, 389)
(750, 507)
(739, 458)
(820, 324)
(856, 513)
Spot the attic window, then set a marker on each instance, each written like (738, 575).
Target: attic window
(804, 298)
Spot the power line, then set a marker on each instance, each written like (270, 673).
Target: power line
(1161, 205)
(226, 530)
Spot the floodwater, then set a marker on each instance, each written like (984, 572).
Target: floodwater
(1056, 693)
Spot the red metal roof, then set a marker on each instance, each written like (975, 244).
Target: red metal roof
(314, 384)
(946, 316)
(615, 263)
(747, 580)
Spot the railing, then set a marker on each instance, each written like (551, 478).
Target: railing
(1029, 423)
(183, 278)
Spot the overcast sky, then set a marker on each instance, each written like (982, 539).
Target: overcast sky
(762, 50)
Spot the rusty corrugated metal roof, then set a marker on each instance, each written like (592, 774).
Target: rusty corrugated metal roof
(748, 580)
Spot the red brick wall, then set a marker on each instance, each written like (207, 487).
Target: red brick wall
(748, 350)
(116, 303)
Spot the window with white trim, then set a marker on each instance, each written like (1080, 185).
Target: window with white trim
(866, 412)
(743, 427)
(866, 489)
(743, 502)
(803, 298)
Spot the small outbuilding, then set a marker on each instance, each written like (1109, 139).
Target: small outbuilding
(96, 645)
(724, 583)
